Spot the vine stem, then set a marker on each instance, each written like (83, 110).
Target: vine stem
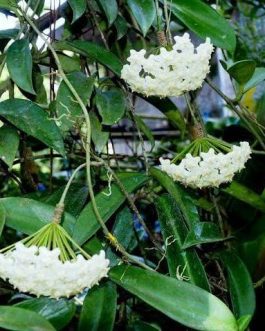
(109, 236)
(231, 103)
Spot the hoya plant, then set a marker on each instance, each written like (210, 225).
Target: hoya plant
(125, 205)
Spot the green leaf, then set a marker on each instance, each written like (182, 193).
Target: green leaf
(111, 105)
(19, 64)
(240, 285)
(182, 198)
(20, 319)
(69, 64)
(94, 52)
(87, 224)
(68, 110)
(99, 309)
(78, 8)
(246, 195)
(8, 33)
(145, 129)
(9, 141)
(110, 8)
(121, 27)
(2, 219)
(58, 312)
(144, 12)
(243, 322)
(32, 119)
(174, 231)
(203, 233)
(205, 22)
(181, 301)
(123, 229)
(28, 216)
(242, 71)
(99, 137)
(257, 78)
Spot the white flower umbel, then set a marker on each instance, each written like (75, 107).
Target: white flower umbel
(208, 169)
(55, 272)
(171, 72)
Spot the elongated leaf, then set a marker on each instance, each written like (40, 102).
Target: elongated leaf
(204, 21)
(123, 229)
(19, 64)
(203, 233)
(121, 27)
(242, 71)
(240, 285)
(58, 312)
(246, 195)
(9, 141)
(87, 224)
(174, 230)
(68, 110)
(184, 201)
(181, 301)
(257, 78)
(28, 215)
(99, 137)
(145, 129)
(19, 319)
(111, 105)
(99, 309)
(94, 52)
(78, 7)
(2, 219)
(144, 12)
(32, 119)
(110, 8)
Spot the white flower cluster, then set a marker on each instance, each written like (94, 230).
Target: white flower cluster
(39, 271)
(170, 73)
(208, 169)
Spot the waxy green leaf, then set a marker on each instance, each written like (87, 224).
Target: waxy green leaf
(20, 319)
(99, 309)
(9, 141)
(68, 110)
(181, 301)
(27, 116)
(240, 285)
(28, 216)
(110, 8)
(19, 64)
(78, 7)
(144, 12)
(58, 312)
(111, 105)
(205, 22)
(180, 262)
(94, 52)
(203, 233)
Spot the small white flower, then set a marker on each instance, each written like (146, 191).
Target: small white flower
(40, 271)
(170, 73)
(209, 169)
